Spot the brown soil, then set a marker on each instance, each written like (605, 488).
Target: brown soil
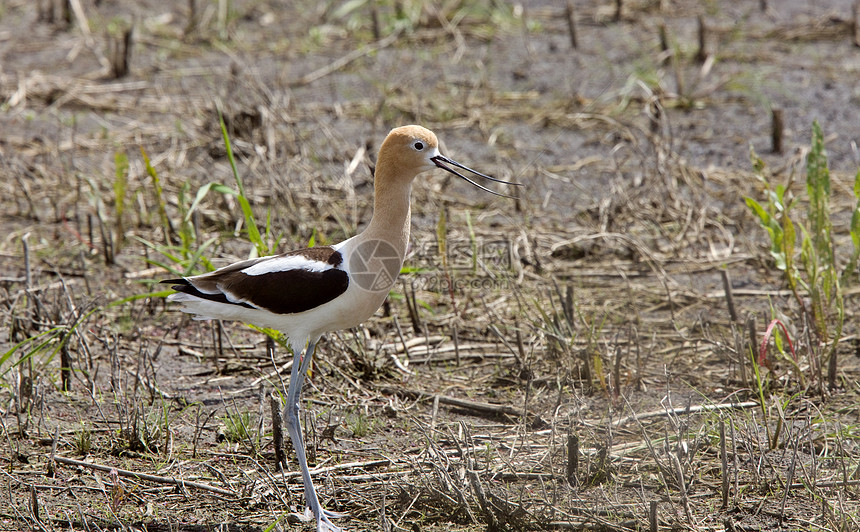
(556, 367)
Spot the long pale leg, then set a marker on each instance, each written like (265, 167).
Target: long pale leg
(291, 413)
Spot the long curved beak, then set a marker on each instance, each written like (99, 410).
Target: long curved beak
(441, 161)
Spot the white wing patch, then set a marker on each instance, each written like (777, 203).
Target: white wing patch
(283, 264)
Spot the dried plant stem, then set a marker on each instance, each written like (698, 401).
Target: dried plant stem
(120, 50)
(193, 17)
(789, 479)
(480, 408)
(702, 53)
(28, 274)
(277, 431)
(143, 476)
(686, 410)
(570, 15)
(855, 23)
(652, 516)
(777, 128)
(724, 489)
(34, 503)
(400, 336)
(753, 333)
(456, 338)
(665, 53)
(572, 457)
(682, 486)
(65, 366)
(730, 299)
(374, 19)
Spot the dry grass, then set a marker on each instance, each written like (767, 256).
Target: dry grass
(569, 361)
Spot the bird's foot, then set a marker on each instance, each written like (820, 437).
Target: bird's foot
(323, 519)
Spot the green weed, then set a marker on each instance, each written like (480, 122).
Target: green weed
(83, 440)
(98, 205)
(159, 196)
(361, 424)
(261, 246)
(46, 342)
(181, 258)
(42, 348)
(559, 325)
(762, 382)
(238, 427)
(849, 274)
(812, 269)
(187, 254)
(120, 185)
(473, 244)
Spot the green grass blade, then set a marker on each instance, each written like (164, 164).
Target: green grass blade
(159, 196)
(253, 231)
(818, 189)
(51, 334)
(120, 185)
(202, 191)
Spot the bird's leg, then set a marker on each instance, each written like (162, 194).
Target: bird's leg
(294, 428)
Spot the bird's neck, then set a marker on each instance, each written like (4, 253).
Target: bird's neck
(391, 214)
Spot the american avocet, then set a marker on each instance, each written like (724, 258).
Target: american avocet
(309, 292)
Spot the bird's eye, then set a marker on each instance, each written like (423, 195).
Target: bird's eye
(418, 145)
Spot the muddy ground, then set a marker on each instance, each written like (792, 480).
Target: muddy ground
(564, 360)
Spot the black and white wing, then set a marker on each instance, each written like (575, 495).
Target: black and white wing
(292, 282)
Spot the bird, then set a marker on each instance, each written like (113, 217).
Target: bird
(309, 292)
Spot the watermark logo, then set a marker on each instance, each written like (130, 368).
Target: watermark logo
(461, 264)
(464, 255)
(374, 265)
